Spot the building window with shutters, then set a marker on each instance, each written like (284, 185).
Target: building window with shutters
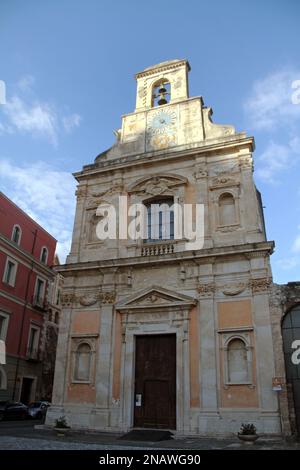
(10, 272)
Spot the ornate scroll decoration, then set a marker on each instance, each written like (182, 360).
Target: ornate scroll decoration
(223, 181)
(117, 187)
(158, 185)
(260, 285)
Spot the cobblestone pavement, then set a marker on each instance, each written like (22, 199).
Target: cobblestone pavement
(19, 435)
(23, 443)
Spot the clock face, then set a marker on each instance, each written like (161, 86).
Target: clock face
(161, 129)
(162, 122)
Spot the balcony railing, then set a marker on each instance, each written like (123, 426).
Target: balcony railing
(39, 302)
(32, 354)
(157, 249)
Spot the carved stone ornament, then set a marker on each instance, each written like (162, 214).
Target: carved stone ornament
(234, 288)
(81, 192)
(223, 169)
(206, 290)
(67, 299)
(116, 188)
(260, 285)
(200, 172)
(107, 297)
(246, 162)
(157, 185)
(88, 300)
(222, 181)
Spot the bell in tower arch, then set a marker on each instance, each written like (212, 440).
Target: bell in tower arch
(161, 94)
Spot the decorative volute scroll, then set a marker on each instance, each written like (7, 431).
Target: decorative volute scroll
(157, 184)
(215, 130)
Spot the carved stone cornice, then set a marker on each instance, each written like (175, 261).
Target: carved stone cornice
(162, 68)
(256, 254)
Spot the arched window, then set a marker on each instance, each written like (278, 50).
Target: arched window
(16, 234)
(237, 362)
(3, 378)
(44, 255)
(227, 215)
(83, 363)
(161, 92)
(160, 219)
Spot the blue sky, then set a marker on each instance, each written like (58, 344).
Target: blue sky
(69, 72)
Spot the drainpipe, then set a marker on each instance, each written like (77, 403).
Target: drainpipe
(23, 315)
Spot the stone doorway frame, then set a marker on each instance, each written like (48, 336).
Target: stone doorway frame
(156, 311)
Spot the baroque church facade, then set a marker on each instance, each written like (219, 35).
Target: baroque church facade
(155, 334)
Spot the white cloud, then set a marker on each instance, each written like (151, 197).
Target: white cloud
(270, 107)
(70, 122)
(270, 104)
(288, 263)
(277, 158)
(296, 245)
(26, 114)
(26, 83)
(38, 119)
(46, 194)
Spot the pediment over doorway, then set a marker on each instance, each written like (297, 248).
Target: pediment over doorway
(155, 297)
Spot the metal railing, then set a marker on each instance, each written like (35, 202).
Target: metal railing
(39, 302)
(33, 354)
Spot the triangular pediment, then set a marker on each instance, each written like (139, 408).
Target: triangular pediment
(154, 297)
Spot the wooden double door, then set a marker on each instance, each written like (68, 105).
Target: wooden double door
(155, 382)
